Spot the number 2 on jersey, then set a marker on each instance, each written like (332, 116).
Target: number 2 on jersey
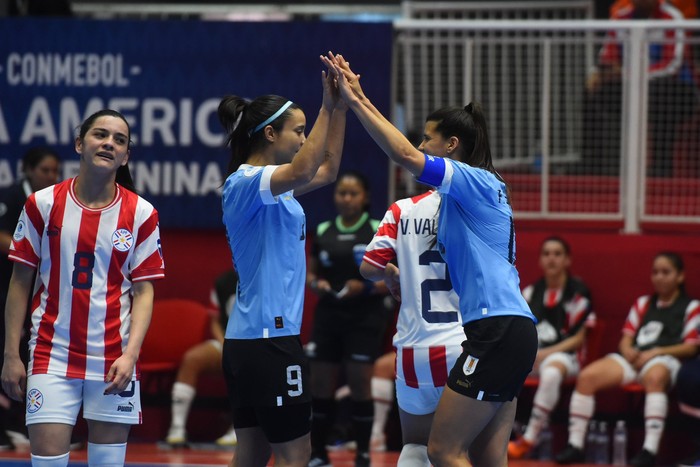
(435, 285)
(83, 264)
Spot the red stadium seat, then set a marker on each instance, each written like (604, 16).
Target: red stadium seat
(176, 326)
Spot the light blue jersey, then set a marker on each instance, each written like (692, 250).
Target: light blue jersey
(266, 234)
(476, 239)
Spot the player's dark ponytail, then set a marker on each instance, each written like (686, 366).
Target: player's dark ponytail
(124, 178)
(468, 125)
(241, 118)
(480, 155)
(230, 112)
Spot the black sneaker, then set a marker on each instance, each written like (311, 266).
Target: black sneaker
(362, 459)
(643, 459)
(5, 442)
(570, 455)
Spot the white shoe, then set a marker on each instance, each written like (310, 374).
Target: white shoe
(17, 438)
(319, 462)
(176, 437)
(229, 439)
(378, 443)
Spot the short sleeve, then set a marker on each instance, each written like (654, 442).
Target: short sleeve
(265, 181)
(147, 261)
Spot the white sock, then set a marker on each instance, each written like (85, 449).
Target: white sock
(581, 410)
(413, 455)
(50, 461)
(383, 395)
(545, 399)
(538, 417)
(655, 410)
(106, 455)
(182, 396)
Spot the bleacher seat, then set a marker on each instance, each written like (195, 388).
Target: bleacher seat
(176, 326)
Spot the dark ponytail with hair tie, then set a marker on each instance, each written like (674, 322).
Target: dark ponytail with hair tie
(468, 124)
(240, 116)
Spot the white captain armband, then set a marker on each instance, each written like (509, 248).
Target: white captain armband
(433, 171)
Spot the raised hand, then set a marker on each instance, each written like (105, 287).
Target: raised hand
(353, 78)
(344, 77)
(331, 94)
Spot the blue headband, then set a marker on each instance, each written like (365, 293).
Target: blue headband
(272, 117)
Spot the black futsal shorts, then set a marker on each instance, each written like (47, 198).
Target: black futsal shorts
(347, 336)
(268, 386)
(497, 356)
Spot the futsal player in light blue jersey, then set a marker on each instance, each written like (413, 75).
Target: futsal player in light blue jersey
(265, 367)
(476, 238)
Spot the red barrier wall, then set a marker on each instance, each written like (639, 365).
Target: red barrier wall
(615, 266)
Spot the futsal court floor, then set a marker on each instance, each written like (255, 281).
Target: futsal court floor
(151, 455)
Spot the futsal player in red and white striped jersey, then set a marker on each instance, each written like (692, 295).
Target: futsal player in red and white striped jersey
(95, 245)
(429, 327)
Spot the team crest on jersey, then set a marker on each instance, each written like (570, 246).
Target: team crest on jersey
(35, 400)
(649, 333)
(469, 366)
(122, 240)
(19, 231)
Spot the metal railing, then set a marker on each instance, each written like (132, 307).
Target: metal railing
(531, 78)
(532, 9)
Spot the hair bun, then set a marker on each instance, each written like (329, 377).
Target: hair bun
(469, 108)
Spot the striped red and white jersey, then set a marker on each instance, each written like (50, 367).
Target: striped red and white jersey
(420, 366)
(429, 327)
(655, 324)
(86, 261)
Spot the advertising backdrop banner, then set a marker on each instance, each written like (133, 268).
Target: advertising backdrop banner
(167, 78)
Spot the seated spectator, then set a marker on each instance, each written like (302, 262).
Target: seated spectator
(671, 93)
(203, 358)
(562, 305)
(661, 329)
